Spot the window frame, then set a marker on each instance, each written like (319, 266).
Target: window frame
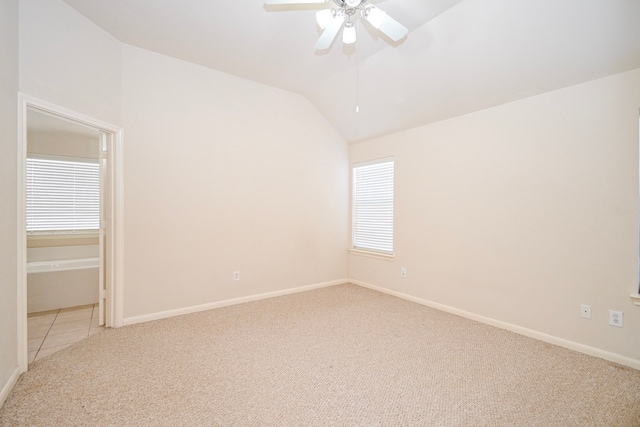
(360, 249)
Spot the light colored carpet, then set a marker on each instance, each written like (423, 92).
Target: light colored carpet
(339, 356)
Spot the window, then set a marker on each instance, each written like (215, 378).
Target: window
(62, 195)
(373, 206)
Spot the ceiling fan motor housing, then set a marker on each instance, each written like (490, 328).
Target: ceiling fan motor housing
(349, 3)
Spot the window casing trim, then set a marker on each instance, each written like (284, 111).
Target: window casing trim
(363, 250)
(372, 254)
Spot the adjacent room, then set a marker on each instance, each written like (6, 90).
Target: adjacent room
(340, 212)
(63, 246)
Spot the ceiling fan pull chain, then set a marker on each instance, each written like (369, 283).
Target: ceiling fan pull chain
(357, 85)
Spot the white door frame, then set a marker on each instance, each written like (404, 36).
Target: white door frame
(115, 233)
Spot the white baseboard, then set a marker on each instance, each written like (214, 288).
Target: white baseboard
(13, 379)
(571, 345)
(225, 303)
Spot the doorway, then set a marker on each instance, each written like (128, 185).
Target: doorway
(94, 247)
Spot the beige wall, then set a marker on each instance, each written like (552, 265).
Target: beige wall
(49, 240)
(63, 145)
(522, 212)
(8, 195)
(68, 60)
(223, 175)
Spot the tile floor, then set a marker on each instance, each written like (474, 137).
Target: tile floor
(50, 331)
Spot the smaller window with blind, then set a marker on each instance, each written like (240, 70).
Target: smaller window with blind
(373, 206)
(62, 195)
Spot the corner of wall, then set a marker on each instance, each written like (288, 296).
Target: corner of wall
(9, 39)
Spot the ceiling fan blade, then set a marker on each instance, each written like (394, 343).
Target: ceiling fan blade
(329, 33)
(393, 29)
(294, 1)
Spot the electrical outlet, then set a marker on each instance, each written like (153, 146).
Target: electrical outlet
(403, 272)
(236, 276)
(616, 318)
(585, 311)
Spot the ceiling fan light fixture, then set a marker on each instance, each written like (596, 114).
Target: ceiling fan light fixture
(374, 15)
(342, 17)
(349, 33)
(353, 3)
(324, 17)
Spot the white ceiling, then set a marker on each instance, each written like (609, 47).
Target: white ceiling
(460, 55)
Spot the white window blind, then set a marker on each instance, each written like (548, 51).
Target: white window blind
(373, 206)
(62, 195)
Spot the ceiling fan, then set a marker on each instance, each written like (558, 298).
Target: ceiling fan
(342, 16)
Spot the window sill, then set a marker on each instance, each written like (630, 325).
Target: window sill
(65, 234)
(636, 299)
(371, 254)
(62, 235)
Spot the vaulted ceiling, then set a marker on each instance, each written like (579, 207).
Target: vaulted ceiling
(460, 56)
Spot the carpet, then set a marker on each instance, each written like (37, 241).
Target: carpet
(337, 356)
